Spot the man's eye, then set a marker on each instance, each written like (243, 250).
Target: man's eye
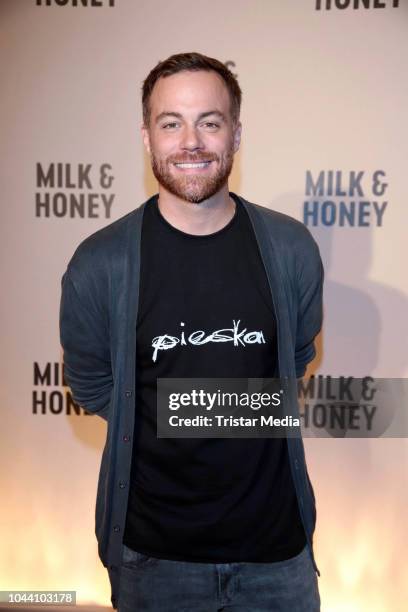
(169, 125)
(211, 125)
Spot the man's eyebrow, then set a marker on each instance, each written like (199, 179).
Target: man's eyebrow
(218, 113)
(164, 114)
(167, 114)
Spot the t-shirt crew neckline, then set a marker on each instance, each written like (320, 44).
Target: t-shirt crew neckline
(224, 229)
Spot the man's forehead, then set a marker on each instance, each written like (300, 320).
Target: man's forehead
(190, 90)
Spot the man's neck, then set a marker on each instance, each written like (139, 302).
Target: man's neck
(207, 217)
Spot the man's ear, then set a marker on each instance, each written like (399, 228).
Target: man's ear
(237, 136)
(145, 137)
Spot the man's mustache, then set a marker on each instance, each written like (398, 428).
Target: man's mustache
(193, 158)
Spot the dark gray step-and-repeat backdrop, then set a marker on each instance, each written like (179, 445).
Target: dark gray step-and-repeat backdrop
(325, 139)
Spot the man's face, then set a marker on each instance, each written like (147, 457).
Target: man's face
(191, 137)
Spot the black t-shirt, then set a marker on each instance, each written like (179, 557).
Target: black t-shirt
(195, 499)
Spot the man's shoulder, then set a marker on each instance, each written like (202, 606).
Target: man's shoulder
(286, 231)
(106, 244)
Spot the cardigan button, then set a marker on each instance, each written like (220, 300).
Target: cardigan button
(122, 484)
(116, 528)
(126, 438)
(128, 393)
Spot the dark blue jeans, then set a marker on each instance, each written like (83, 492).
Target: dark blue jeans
(148, 584)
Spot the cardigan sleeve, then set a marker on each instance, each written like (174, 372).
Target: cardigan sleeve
(310, 277)
(85, 341)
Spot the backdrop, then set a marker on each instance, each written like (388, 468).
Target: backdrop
(325, 139)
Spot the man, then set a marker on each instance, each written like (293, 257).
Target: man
(195, 524)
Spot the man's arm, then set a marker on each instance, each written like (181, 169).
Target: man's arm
(310, 277)
(85, 341)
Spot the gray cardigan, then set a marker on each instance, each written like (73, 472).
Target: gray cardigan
(98, 312)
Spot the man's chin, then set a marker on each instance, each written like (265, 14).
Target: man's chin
(194, 194)
(196, 199)
(193, 198)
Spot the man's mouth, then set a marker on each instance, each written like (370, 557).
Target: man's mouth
(188, 165)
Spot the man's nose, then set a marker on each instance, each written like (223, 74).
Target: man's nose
(191, 139)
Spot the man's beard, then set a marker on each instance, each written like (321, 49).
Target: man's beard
(193, 187)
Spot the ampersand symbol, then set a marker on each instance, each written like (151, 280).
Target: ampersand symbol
(379, 186)
(106, 179)
(367, 392)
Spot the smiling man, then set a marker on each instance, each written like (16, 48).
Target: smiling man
(192, 143)
(195, 283)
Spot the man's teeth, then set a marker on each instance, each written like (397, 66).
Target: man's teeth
(193, 165)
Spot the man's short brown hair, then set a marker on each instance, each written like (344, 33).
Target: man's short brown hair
(193, 62)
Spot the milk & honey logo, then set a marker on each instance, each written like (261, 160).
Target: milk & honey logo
(328, 5)
(355, 198)
(74, 190)
(77, 3)
(50, 393)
